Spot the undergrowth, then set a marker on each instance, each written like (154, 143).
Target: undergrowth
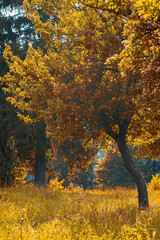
(28, 213)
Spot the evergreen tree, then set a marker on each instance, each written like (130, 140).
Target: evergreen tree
(111, 172)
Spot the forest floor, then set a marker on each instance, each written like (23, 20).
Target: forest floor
(28, 213)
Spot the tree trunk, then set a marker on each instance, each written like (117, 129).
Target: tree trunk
(134, 171)
(40, 174)
(40, 159)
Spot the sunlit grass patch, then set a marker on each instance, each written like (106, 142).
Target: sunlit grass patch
(30, 213)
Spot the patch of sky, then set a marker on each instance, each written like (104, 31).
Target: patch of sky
(98, 156)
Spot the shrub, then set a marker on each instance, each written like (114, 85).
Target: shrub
(74, 188)
(55, 185)
(155, 183)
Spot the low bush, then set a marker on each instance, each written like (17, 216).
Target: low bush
(154, 183)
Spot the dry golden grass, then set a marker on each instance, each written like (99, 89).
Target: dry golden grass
(31, 213)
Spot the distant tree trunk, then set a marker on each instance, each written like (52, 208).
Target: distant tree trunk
(40, 159)
(134, 171)
(40, 173)
(6, 176)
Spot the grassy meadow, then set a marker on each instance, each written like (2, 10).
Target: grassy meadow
(28, 213)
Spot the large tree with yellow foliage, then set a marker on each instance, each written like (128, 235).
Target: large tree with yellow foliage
(96, 77)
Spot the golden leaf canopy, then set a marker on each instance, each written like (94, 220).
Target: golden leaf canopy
(98, 72)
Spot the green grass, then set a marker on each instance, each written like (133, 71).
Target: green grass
(30, 213)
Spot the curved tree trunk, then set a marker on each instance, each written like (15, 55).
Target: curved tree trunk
(134, 171)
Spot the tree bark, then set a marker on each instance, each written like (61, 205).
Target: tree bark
(134, 171)
(40, 159)
(40, 174)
